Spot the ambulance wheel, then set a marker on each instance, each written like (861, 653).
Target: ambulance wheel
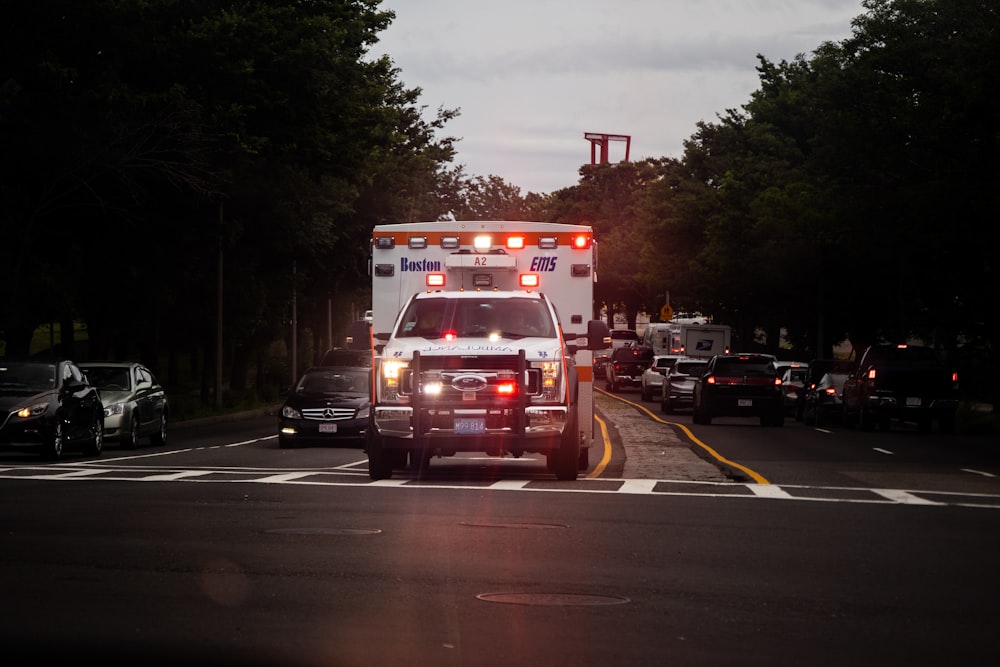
(564, 461)
(379, 459)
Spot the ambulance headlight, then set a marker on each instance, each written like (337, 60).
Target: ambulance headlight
(390, 376)
(551, 380)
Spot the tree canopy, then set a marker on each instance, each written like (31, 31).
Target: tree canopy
(147, 144)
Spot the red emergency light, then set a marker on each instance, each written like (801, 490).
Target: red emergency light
(581, 241)
(529, 280)
(515, 242)
(435, 280)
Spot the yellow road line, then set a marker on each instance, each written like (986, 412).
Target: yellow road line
(606, 456)
(757, 477)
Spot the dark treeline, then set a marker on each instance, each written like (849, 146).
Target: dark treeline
(147, 143)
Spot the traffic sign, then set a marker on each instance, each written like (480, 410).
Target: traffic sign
(666, 313)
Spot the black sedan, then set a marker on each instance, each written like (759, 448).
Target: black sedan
(328, 405)
(135, 404)
(49, 406)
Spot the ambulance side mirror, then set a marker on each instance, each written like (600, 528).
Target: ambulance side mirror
(598, 335)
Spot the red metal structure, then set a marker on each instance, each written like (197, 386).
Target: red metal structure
(600, 139)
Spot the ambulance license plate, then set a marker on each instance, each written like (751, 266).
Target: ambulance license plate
(470, 425)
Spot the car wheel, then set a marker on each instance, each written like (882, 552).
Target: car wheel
(160, 437)
(379, 460)
(96, 444)
(865, 419)
(53, 448)
(130, 440)
(947, 423)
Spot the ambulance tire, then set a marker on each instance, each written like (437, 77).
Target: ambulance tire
(420, 460)
(564, 461)
(380, 460)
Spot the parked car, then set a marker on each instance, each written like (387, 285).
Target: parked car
(739, 385)
(651, 381)
(793, 381)
(327, 405)
(625, 367)
(135, 405)
(50, 407)
(678, 385)
(822, 398)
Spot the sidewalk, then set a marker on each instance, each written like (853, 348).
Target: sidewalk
(653, 450)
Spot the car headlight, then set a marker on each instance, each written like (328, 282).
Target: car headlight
(114, 409)
(289, 412)
(33, 410)
(364, 412)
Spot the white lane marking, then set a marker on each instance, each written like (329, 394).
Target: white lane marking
(769, 491)
(185, 474)
(904, 497)
(977, 472)
(652, 487)
(285, 477)
(883, 451)
(643, 486)
(509, 485)
(73, 474)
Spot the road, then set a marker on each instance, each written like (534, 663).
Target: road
(221, 547)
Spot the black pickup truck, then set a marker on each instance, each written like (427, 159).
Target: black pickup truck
(903, 382)
(625, 367)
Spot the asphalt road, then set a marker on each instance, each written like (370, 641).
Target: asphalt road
(223, 548)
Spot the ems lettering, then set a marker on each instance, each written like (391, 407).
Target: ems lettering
(543, 263)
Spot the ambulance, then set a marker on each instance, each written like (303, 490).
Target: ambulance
(482, 341)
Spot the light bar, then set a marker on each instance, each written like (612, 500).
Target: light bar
(581, 241)
(482, 280)
(450, 242)
(385, 242)
(417, 242)
(435, 280)
(515, 242)
(482, 242)
(547, 242)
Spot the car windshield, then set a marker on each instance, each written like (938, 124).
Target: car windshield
(27, 376)
(688, 367)
(108, 377)
(477, 318)
(333, 381)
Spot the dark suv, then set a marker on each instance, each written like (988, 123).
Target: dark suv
(739, 385)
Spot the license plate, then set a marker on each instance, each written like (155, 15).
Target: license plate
(913, 401)
(470, 425)
(327, 428)
(744, 402)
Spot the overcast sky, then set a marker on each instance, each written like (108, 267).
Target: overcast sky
(530, 77)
